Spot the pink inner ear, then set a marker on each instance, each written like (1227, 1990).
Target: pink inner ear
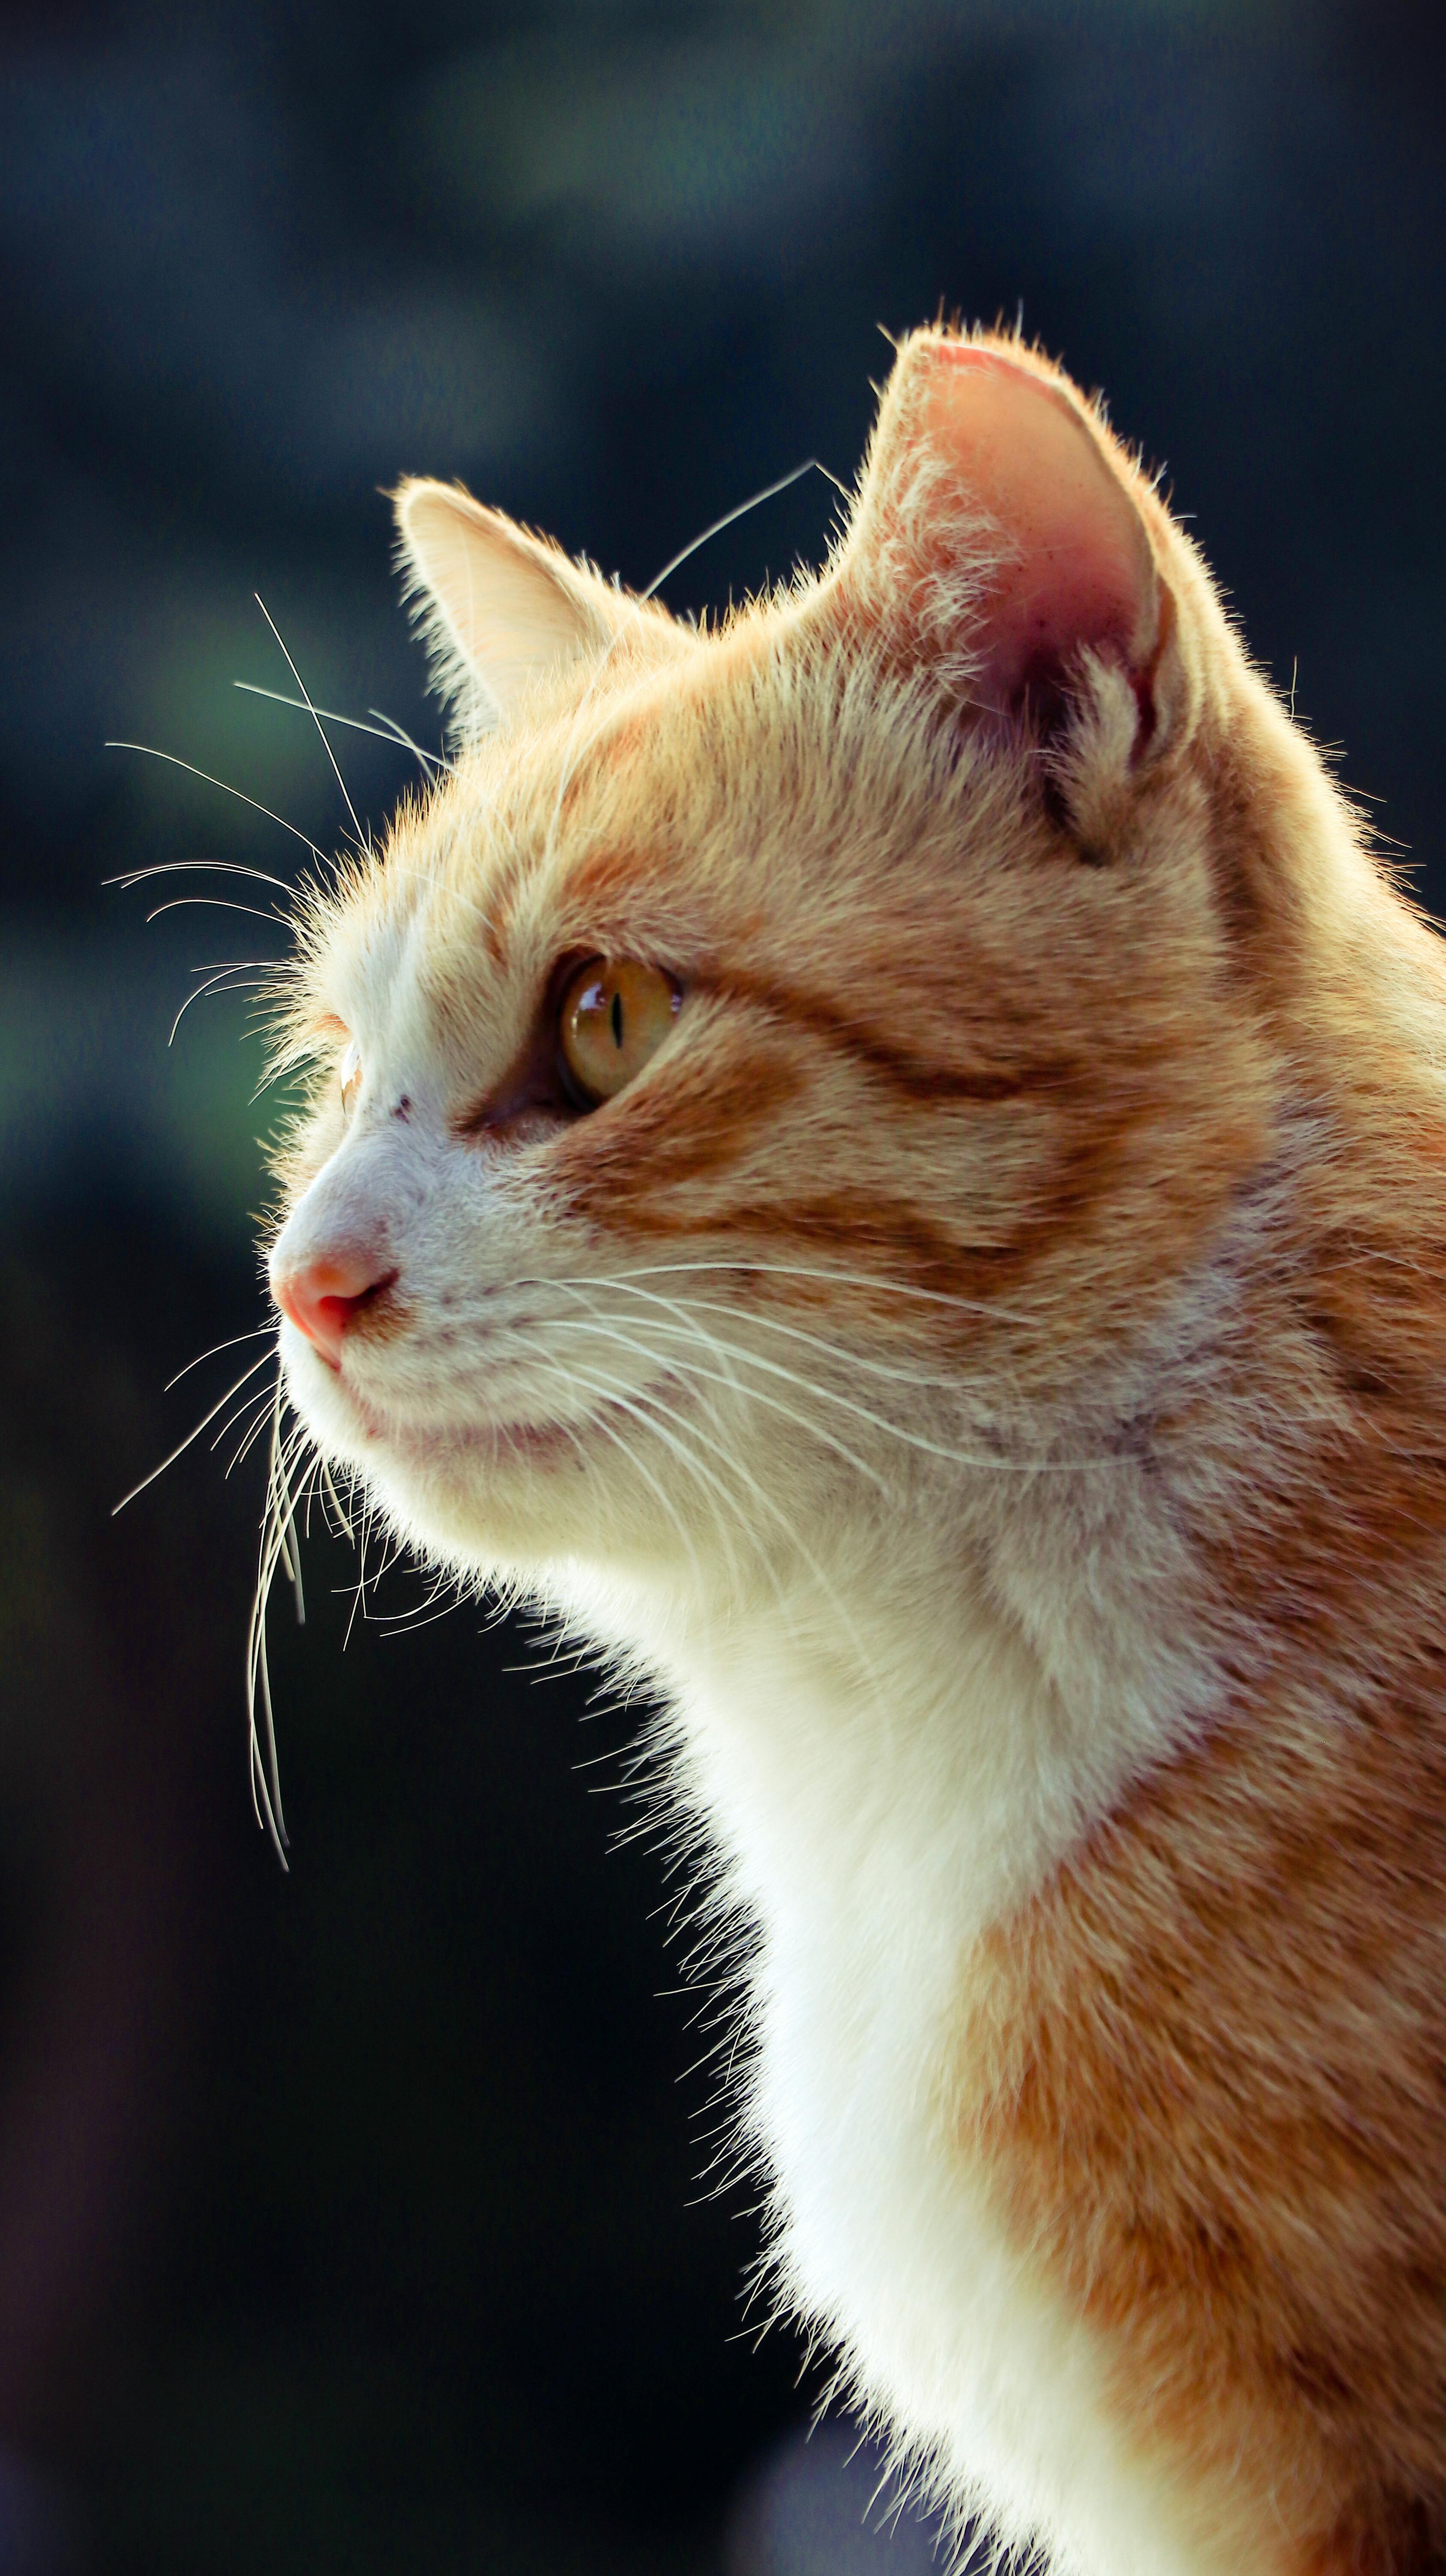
(1076, 566)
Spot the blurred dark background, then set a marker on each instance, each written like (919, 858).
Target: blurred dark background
(350, 2219)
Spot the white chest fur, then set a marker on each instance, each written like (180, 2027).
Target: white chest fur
(873, 1805)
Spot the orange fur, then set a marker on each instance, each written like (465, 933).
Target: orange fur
(1048, 1028)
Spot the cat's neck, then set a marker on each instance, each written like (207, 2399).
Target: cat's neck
(967, 1684)
(965, 1693)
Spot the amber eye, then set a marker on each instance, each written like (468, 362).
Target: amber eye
(615, 1014)
(349, 1074)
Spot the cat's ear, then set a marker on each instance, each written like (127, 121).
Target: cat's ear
(1002, 535)
(495, 604)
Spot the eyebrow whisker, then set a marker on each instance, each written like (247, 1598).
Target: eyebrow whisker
(240, 975)
(219, 903)
(385, 729)
(315, 718)
(810, 465)
(176, 762)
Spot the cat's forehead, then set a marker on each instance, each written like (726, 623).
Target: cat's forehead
(580, 827)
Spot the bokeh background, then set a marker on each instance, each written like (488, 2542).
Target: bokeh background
(359, 2218)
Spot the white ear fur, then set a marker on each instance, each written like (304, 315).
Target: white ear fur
(494, 604)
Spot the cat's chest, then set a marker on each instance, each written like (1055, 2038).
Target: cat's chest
(870, 1835)
(873, 1816)
(903, 1784)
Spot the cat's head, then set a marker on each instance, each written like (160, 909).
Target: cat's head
(787, 1059)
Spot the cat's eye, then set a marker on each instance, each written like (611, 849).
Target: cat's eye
(349, 1074)
(615, 1014)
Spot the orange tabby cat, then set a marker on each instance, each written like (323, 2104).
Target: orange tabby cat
(887, 1159)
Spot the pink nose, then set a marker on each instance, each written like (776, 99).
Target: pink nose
(323, 1298)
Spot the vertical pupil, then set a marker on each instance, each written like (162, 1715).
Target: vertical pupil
(616, 1017)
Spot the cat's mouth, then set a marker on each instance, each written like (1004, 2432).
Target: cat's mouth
(544, 1443)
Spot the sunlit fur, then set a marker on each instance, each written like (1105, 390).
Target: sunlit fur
(986, 1374)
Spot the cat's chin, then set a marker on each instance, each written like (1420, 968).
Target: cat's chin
(484, 1492)
(353, 1428)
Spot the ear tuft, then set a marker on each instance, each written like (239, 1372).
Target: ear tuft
(1000, 532)
(495, 604)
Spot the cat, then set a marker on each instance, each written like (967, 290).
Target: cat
(885, 1159)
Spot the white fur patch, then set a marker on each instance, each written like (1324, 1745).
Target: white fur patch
(878, 1800)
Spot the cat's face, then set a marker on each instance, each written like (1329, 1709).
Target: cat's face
(779, 1063)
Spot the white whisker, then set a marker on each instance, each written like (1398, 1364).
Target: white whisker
(335, 1499)
(805, 1554)
(361, 1580)
(611, 1395)
(290, 1551)
(315, 718)
(246, 1444)
(179, 867)
(204, 774)
(448, 1589)
(646, 1409)
(386, 728)
(262, 1396)
(572, 750)
(227, 979)
(810, 465)
(399, 733)
(258, 1425)
(743, 1263)
(864, 1413)
(930, 1379)
(408, 1622)
(277, 1546)
(217, 903)
(200, 867)
(183, 1445)
(711, 1376)
(217, 1347)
